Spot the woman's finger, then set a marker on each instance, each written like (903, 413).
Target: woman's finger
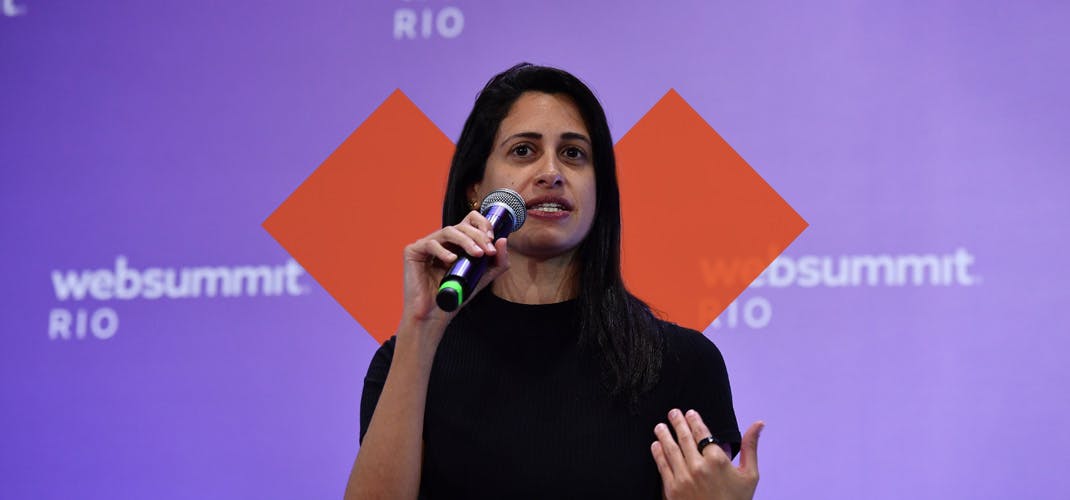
(479, 236)
(436, 250)
(672, 451)
(688, 442)
(663, 462)
(501, 256)
(476, 220)
(748, 453)
(423, 250)
(452, 234)
(499, 266)
(701, 431)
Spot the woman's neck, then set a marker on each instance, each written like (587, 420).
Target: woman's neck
(532, 280)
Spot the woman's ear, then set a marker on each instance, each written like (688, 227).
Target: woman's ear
(473, 193)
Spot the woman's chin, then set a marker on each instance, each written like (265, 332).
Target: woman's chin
(543, 248)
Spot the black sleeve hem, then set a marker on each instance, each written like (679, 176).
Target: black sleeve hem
(373, 383)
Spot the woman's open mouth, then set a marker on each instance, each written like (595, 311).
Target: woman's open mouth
(549, 208)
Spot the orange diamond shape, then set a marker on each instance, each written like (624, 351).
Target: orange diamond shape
(698, 223)
(694, 236)
(349, 221)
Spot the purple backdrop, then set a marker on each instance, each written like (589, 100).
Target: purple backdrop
(152, 140)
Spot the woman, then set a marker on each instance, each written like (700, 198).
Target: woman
(555, 381)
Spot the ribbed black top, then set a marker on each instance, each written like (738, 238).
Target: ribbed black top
(516, 409)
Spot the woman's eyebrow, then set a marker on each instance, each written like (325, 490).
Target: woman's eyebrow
(536, 136)
(525, 135)
(575, 136)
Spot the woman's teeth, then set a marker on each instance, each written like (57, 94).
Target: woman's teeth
(548, 207)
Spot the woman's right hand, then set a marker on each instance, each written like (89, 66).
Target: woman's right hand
(388, 464)
(428, 259)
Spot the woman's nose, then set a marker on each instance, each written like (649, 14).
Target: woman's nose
(549, 174)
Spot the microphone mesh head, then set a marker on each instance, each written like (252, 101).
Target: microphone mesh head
(510, 199)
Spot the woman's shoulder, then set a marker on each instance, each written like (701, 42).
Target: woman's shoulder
(387, 348)
(686, 344)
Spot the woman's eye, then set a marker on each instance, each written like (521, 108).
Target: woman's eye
(522, 150)
(574, 153)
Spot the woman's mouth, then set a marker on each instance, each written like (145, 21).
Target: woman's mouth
(549, 208)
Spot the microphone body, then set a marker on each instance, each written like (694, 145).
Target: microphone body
(505, 210)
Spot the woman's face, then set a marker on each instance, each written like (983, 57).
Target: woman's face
(543, 151)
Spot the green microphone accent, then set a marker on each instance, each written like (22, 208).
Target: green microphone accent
(456, 287)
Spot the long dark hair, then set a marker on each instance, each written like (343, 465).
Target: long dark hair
(613, 322)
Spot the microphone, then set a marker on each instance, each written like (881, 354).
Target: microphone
(505, 210)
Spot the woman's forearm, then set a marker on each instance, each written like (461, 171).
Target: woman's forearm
(389, 461)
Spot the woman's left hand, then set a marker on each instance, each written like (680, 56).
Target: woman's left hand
(686, 473)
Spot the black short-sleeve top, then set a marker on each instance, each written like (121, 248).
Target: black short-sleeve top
(517, 409)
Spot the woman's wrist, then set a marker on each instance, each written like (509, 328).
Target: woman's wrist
(420, 338)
